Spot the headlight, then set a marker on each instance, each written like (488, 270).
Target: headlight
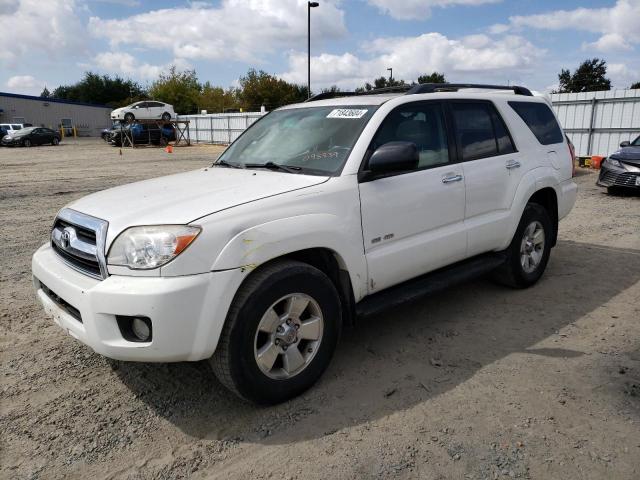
(613, 162)
(142, 248)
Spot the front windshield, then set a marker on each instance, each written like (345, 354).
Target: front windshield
(314, 140)
(636, 142)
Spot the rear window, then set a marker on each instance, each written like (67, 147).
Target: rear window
(540, 120)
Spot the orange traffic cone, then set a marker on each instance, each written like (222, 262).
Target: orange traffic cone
(169, 149)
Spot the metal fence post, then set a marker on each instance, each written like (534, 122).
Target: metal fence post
(229, 130)
(590, 134)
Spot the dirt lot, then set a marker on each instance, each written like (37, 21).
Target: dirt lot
(480, 382)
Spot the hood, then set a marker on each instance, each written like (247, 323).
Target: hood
(185, 197)
(629, 154)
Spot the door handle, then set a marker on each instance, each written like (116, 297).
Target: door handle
(512, 164)
(451, 178)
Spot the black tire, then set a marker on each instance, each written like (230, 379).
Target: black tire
(26, 143)
(166, 116)
(512, 273)
(129, 117)
(234, 362)
(55, 141)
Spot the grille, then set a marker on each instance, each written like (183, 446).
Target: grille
(79, 241)
(625, 179)
(67, 307)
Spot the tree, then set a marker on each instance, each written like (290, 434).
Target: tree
(101, 89)
(258, 88)
(180, 89)
(435, 77)
(217, 99)
(635, 85)
(590, 76)
(45, 93)
(380, 82)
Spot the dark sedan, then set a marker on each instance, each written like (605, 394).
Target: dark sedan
(27, 137)
(622, 168)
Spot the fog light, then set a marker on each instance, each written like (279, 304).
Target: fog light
(141, 329)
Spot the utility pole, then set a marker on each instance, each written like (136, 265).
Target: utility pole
(310, 5)
(390, 70)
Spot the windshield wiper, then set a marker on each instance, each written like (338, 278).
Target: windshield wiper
(274, 166)
(224, 163)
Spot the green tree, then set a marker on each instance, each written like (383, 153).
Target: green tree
(101, 89)
(434, 77)
(45, 92)
(635, 85)
(217, 99)
(380, 82)
(590, 76)
(258, 88)
(180, 89)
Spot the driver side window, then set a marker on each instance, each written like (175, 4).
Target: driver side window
(420, 123)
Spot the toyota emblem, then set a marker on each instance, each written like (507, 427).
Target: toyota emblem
(65, 238)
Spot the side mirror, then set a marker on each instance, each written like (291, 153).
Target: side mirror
(394, 157)
(137, 106)
(626, 143)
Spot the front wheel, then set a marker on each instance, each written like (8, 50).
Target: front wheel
(280, 333)
(26, 142)
(166, 116)
(129, 117)
(528, 253)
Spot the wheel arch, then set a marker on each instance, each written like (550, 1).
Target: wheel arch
(331, 264)
(548, 199)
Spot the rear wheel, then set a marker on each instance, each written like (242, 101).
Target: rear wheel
(280, 333)
(26, 142)
(528, 253)
(55, 141)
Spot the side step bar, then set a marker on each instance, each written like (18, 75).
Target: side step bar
(428, 284)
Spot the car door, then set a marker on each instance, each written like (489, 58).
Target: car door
(492, 170)
(155, 109)
(413, 221)
(36, 136)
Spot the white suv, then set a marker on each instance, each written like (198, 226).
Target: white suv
(319, 213)
(147, 110)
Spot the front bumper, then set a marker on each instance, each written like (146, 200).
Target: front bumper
(618, 177)
(187, 313)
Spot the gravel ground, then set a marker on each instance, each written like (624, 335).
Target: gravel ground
(479, 382)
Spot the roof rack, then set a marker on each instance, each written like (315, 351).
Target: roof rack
(422, 88)
(454, 87)
(375, 91)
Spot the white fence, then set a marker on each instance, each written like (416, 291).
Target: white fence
(596, 122)
(219, 128)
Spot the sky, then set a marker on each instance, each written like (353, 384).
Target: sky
(52, 42)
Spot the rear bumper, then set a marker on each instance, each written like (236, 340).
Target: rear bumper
(187, 313)
(567, 194)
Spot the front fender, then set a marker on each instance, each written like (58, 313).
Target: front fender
(267, 241)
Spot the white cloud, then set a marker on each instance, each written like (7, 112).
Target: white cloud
(611, 42)
(125, 64)
(618, 25)
(29, 28)
(236, 30)
(475, 57)
(419, 9)
(621, 75)
(26, 84)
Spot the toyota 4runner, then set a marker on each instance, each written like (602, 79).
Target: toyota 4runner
(319, 213)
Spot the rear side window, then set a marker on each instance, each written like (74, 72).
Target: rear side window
(540, 120)
(480, 131)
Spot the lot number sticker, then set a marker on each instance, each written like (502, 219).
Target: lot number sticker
(347, 113)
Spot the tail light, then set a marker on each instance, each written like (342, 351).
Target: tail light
(572, 154)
